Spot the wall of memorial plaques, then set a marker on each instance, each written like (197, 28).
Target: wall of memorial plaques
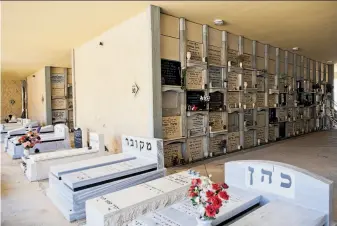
(203, 97)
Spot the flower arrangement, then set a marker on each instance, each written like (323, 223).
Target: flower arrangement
(208, 196)
(30, 139)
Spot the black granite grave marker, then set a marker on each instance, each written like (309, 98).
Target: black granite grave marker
(170, 72)
(216, 101)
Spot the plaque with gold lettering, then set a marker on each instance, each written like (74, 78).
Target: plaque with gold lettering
(195, 49)
(216, 121)
(172, 127)
(196, 125)
(195, 99)
(214, 55)
(173, 154)
(170, 72)
(195, 148)
(215, 77)
(194, 79)
(216, 102)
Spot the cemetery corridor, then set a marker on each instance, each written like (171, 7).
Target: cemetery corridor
(25, 203)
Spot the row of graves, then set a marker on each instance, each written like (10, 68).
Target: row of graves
(237, 94)
(132, 188)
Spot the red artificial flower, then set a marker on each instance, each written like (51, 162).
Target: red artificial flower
(196, 182)
(192, 194)
(210, 211)
(223, 195)
(224, 186)
(209, 194)
(215, 201)
(216, 187)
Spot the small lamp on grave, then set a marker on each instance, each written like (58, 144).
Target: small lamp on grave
(188, 55)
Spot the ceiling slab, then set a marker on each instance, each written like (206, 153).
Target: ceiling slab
(36, 34)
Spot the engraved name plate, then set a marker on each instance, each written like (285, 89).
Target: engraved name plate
(172, 127)
(247, 77)
(56, 92)
(59, 115)
(260, 100)
(233, 80)
(58, 104)
(216, 121)
(248, 100)
(170, 72)
(196, 125)
(232, 56)
(233, 141)
(216, 101)
(271, 100)
(194, 99)
(290, 100)
(260, 84)
(195, 148)
(282, 114)
(233, 99)
(233, 122)
(215, 144)
(271, 81)
(195, 49)
(57, 81)
(261, 119)
(194, 79)
(249, 139)
(172, 154)
(247, 61)
(249, 117)
(215, 77)
(214, 55)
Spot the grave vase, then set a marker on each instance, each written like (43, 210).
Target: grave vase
(202, 222)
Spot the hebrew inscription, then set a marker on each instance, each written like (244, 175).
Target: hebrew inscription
(260, 100)
(194, 78)
(196, 125)
(214, 55)
(216, 144)
(216, 121)
(58, 104)
(195, 148)
(172, 127)
(233, 141)
(215, 77)
(195, 49)
(172, 154)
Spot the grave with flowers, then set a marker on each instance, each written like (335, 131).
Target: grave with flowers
(256, 193)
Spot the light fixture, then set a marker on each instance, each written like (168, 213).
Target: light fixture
(296, 48)
(218, 22)
(329, 61)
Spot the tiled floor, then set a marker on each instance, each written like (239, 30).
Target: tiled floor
(25, 203)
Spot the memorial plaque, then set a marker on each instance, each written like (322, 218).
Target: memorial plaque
(261, 134)
(78, 138)
(195, 49)
(58, 104)
(194, 99)
(233, 99)
(195, 148)
(214, 55)
(260, 84)
(249, 100)
(216, 102)
(290, 128)
(56, 92)
(59, 115)
(249, 117)
(215, 77)
(232, 56)
(194, 79)
(57, 81)
(233, 122)
(233, 80)
(247, 61)
(290, 112)
(271, 100)
(260, 100)
(170, 72)
(249, 139)
(172, 127)
(172, 154)
(216, 121)
(216, 144)
(261, 119)
(290, 101)
(233, 141)
(282, 114)
(247, 77)
(272, 132)
(196, 125)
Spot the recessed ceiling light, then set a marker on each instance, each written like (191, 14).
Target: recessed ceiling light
(296, 48)
(218, 22)
(329, 62)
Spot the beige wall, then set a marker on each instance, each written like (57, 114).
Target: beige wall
(36, 90)
(11, 90)
(104, 76)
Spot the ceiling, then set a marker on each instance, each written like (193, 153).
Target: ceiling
(42, 33)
